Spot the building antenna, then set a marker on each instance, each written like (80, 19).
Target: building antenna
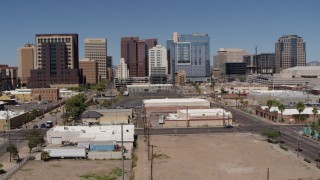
(256, 50)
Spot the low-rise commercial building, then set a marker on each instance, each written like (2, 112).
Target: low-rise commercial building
(240, 88)
(289, 115)
(198, 118)
(11, 119)
(115, 116)
(79, 134)
(172, 105)
(49, 94)
(149, 88)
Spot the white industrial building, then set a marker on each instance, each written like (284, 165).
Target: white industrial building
(199, 117)
(149, 88)
(299, 75)
(87, 134)
(172, 105)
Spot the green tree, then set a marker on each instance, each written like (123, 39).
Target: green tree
(102, 85)
(281, 108)
(75, 106)
(45, 155)
(270, 134)
(106, 103)
(271, 103)
(241, 102)
(13, 150)
(315, 112)
(300, 107)
(237, 98)
(34, 139)
(1, 170)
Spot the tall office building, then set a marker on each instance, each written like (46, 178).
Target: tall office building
(27, 58)
(260, 64)
(135, 53)
(227, 55)
(191, 53)
(57, 61)
(158, 65)
(109, 68)
(96, 49)
(122, 70)
(8, 76)
(89, 70)
(290, 52)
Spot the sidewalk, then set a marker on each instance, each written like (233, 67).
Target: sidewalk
(5, 158)
(142, 169)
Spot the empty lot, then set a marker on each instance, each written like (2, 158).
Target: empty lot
(70, 170)
(220, 156)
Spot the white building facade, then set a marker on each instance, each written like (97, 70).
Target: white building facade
(122, 70)
(158, 63)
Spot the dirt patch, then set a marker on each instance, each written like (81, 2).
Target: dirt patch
(72, 170)
(220, 156)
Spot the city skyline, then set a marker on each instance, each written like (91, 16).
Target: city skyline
(230, 24)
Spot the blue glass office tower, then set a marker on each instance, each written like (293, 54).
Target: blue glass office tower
(191, 53)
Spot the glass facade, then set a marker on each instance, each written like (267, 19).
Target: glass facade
(192, 54)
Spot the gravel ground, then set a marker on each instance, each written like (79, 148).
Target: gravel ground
(220, 156)
(69, 169)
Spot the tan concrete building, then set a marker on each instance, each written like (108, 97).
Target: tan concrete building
(114, 116)
(26, 57)
(96, 49)
(90, 70)
(50, 94)
(224, 56)
(290, 52)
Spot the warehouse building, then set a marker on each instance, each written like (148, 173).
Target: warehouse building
(199, 118)
(89, 134)
(172, 105)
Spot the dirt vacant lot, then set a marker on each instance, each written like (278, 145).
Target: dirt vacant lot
(71, 170)
(220, 157)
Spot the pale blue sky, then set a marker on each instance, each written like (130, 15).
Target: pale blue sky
(229, 23)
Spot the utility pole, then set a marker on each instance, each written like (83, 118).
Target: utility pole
(122, 153)
(268, 172)
(298, 145)
(151, 162)
(256, 58)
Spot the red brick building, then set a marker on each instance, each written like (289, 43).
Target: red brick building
(50, 94)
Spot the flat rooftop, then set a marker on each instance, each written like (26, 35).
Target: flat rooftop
(177, 100)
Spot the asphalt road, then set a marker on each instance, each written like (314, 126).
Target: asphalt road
(290, 134)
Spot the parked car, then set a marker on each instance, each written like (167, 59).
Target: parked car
(49, 124)
(43, 125)
(228, 126)
(35, 127)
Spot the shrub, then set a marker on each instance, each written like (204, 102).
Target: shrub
(307, 160)
(284, 148)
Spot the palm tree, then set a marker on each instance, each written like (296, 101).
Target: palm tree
(270, 103)
(315, 112)
(237, 98)
(281, 108)
(45, 155)
(241, 102)
(300, 107)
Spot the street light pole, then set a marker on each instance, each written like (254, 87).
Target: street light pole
(122, 158)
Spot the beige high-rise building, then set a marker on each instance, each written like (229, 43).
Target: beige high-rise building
(89, 70)
(290, 52)
(27, 58)
(228, 55)
(96, 49)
